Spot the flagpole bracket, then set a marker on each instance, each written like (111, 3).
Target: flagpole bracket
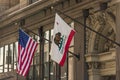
(76, 55)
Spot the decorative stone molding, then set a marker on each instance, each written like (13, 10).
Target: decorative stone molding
(108, 44)
(100, 22)
(103, 62)
(94, 65)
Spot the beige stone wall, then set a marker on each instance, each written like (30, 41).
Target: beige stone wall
(4, 4)
(45, 17)
(14, 2)
(23, 3)
(102, 64)
(118, 40)
(79, 65)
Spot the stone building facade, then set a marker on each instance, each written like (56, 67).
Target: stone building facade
(101, 60)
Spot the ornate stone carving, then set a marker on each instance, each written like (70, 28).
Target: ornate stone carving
(101, 18)
(94, 65)
(101, 21)
(108, 44)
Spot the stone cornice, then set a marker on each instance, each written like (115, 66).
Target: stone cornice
(101, 57)
(73, 10)
(35, 7)
(26, 11)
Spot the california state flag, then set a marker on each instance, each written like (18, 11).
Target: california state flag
(62, 36)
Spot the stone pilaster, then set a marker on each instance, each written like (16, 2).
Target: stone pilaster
(94, 72)
(23, 3)
(79, 66)
(118, 40)
(71, 60)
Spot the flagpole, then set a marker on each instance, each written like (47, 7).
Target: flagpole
(85, 15)
(59, 68)
(76, 55)
(89, 28)
(41, 66)
(34, 65)
(67, 72)
(58, 72)
(49, 55)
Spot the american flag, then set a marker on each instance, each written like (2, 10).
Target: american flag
(26, 50)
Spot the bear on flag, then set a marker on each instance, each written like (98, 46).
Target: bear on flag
(62, 36)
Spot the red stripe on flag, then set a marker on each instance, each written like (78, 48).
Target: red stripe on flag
(23, 53)
(30, 49)
(66, 47)
(26, 49)
(28, 52)
(26, 63)
(19, 57)
(18, 65)
(31, 60)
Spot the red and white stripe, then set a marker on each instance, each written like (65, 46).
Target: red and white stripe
(25, 56)
(66, 47)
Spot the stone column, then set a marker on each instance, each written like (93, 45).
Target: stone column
(118, 40)
(71, 67)
(23, 3)
(79, 49)
(94, 75)
(94, 72)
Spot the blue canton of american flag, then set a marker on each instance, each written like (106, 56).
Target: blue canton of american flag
(26, 50)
